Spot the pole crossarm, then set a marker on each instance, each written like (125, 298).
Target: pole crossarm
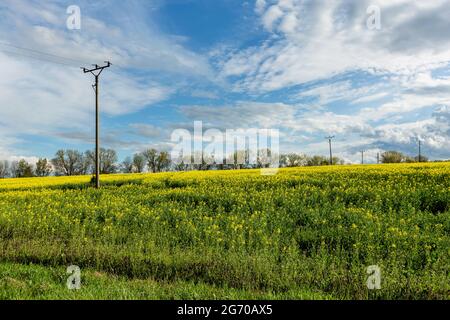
(97, 68)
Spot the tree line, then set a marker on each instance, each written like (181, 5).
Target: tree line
(398, 157)
(73, 162)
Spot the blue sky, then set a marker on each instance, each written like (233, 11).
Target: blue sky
(310, 68)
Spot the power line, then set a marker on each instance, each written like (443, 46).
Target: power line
(28, 55)
(42, 53)
(49, 59)
(47, 56)
(44, 56)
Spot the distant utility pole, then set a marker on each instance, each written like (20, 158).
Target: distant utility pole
(420, 150)
(362, 156)
(96, 73)
(330, 138)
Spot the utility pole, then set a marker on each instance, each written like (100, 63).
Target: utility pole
(420, 150)
(96, 73)
(330, 138)
(362, 156)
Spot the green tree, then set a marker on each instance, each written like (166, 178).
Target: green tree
(317, 161)
(24, 169)
(181, 166)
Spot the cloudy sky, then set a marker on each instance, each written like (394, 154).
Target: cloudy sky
(310, 68)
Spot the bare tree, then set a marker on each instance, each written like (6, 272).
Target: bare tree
(4, 169)
(421, 158)
(264, 158)
(392, 157)
(296, 160)
(162, 161)
(127, 165)
(43, 168)
(69, 163)
(139, 162)
(108, 160)
(13, 169)
(151, 156)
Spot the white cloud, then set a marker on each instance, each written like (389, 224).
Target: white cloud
(345, 90)
(145, 130)
(242, 115)
(307, 41)
(44, 96)
(317, 39)
(271, 16)
(303, 130)
(200, 93)
(370, 98)
(289, 23)
(416, 92)
(122, 37)
(41, 98)
(260, 6)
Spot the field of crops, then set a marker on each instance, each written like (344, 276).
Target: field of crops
(305, 233)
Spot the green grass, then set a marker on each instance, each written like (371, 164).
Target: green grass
(36, 282)
(306, 233)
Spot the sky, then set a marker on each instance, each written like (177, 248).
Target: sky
(373, 73)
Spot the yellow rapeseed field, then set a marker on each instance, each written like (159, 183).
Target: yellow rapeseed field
(312, 229)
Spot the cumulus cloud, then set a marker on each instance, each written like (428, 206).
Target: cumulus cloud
(311, 63)
(316, 39)
(260, 6)
(329, 92)
(303, 130)
(242, 114)
(43, 94)
(145, 130)
(415, 93)
(118, 32)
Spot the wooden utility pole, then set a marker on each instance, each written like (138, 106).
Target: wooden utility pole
(96, 73)
(420, 150)
(330, 138)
